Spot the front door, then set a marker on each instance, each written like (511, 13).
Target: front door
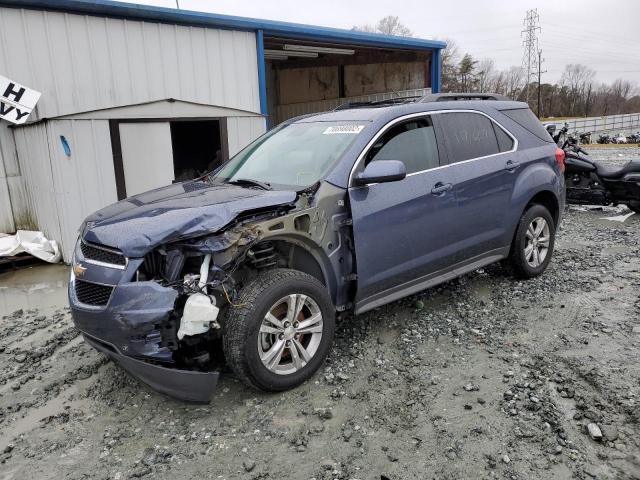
(403, 231)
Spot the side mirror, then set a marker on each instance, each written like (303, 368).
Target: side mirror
(381, 171)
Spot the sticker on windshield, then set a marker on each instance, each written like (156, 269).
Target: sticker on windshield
(349, 129)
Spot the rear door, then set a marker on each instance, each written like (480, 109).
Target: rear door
(402, 231)
(484, 160)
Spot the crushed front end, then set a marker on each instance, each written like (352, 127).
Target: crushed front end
(157, 315)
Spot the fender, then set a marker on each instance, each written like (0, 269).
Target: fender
(328, 272)
(534, 179)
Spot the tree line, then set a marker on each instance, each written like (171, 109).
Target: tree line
(576, 94)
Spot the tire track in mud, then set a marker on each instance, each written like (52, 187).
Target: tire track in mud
(45, 361)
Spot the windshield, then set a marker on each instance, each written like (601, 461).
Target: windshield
(292, 156)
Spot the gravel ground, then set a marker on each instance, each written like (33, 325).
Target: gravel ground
(483, 377)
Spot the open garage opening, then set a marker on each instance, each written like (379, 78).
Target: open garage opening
(310, 76)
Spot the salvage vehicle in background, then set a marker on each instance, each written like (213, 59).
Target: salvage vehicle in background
(325, 215)
(596, 183)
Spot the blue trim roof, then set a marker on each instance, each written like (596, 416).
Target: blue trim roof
(269, 27)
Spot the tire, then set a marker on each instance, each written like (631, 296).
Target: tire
(634, 206)
(248, 336)
(522, 263)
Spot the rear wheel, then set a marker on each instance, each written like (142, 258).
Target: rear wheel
(533, 243)
(282, 330)
(635, 206)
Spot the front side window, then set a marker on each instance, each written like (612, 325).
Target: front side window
(469, 135)
(295, 155)
(412, 142)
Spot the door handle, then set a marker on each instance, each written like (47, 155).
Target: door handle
(441, 188)
(511, 165)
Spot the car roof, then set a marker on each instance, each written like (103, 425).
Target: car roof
(389, 112)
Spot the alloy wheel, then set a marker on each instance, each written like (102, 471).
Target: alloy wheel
(290, 334)
(537, 242)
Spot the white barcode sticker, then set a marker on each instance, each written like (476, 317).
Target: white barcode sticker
(349, 129)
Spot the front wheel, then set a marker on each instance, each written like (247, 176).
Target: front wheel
(533, 243)
(281, 331)
(634, 206)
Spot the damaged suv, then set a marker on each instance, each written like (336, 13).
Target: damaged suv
(327, 214)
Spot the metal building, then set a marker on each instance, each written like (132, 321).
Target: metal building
(135, 97)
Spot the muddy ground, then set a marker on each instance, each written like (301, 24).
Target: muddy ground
(483, 377)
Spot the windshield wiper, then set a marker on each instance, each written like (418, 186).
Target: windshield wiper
(248, 181)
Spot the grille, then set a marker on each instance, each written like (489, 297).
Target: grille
(92, 293)
(101, 255)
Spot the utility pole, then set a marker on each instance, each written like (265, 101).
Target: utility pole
(530, 43)
(540, 72)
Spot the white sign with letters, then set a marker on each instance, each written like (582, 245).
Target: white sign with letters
(16, 101)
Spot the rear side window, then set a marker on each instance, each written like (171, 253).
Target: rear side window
(412, 142)
(526, 119)
(505, 142)
(469, 135)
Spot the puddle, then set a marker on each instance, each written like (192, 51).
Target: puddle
(42, 287)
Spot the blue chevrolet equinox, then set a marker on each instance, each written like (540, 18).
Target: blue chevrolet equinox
(324, 215)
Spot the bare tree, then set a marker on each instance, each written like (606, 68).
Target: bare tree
(513, 82)
(389, 25)
(485, 75)
(577, 79)
(450, 58)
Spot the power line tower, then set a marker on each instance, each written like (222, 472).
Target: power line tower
(530, 57)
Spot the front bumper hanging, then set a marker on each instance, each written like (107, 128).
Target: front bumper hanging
(191, 386)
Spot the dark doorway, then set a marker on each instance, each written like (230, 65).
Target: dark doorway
(197, 148)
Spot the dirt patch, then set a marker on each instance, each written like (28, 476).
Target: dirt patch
(482, 377)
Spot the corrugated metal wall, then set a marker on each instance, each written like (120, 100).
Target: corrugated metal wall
(14, 211)
(242, 131)
(65, 189)
(6, 211)
(82, 63)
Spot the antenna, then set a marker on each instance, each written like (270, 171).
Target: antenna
(530, 57)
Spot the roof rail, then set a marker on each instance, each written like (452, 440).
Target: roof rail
(446, 97)
(379, 103)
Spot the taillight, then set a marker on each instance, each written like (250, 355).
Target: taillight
(560, 158)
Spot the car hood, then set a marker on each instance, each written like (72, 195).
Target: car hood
(140, 223)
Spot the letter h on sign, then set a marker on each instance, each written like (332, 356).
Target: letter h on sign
(17, 94)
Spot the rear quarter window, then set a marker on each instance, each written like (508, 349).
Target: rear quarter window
(468, 135)
(505, 142)
(526, 119)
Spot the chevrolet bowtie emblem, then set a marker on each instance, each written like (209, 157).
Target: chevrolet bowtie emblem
(79, 270)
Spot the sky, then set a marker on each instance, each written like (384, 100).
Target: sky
(604, 37)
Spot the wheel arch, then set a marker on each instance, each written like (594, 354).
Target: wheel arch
(304, 255)
(549, 200)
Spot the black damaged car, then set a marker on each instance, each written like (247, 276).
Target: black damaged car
(328, 214)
